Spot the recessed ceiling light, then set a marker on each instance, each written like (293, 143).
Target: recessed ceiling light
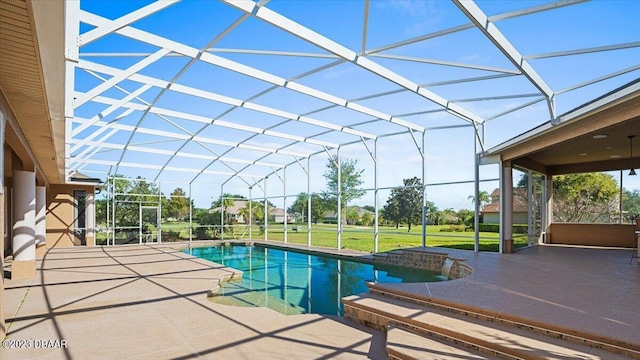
(609, 147)
(616, 156)
(600, 136)
(582, 154)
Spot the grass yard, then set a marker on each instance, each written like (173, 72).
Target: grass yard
(353, 237)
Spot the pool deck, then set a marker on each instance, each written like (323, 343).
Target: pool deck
(138, 302)
(589, 290)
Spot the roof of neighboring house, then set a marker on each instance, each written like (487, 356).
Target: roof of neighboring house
(276, 211)
(519, 201)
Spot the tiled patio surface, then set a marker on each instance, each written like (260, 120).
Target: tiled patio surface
(592, 290)
(144, 302)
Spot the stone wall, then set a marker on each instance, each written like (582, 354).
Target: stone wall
(427, 260)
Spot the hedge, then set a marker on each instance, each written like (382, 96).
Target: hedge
(517, 228)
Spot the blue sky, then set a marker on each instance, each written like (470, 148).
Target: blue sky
(449, 152)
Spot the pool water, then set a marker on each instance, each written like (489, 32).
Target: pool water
(298, 283)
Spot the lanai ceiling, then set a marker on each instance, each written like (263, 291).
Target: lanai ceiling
(206, 91)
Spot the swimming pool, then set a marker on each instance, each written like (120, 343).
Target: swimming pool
(298, 283)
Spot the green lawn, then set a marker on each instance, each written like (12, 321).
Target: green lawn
(353, 237)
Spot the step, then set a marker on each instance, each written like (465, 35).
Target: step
(578, 336)
(379, 311)
(406, 345)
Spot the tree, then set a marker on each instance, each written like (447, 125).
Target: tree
(466, 217)
(391, 211)
(449, 216)
(483, 197)
(229, 199)
(631, 204)
(130, 194)
(226, 201)
(299, 206)
(256, 215)
(350, 180)
(318, 208)
(207, 220)
(352, 215)
(178, 204)
(406, 203)
(370, 208)
(366, 218)
(588, 197)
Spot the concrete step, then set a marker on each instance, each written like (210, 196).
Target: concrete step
(579, 336)
(380, 311)
(406, 345)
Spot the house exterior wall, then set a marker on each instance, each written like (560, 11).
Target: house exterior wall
(619, 235)
(494, 218)
(60, 216)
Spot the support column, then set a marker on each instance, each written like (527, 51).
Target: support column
(3, 327)
(266, 213)
(190, 215)
(339, 212)
(506, 199)
(24, 225)
(531, 221)
(221, 212)
(250, 214)
(424, 190)
(309, 201)
(41, 221)
(476, 204)
(3, 191)
(548, 206)
(90, 213)
(284, 201)
(375, 198)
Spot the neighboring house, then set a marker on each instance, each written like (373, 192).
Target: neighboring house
(491, 211)
(277, 215)
(235, 212)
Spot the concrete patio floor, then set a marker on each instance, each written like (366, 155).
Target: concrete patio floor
(149, 302)
(139, 302)
(587, 289)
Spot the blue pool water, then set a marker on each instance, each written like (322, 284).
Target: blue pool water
(297, 283)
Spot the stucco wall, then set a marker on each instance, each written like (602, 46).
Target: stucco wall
(60, 216)
(494, 218)
(621, 235)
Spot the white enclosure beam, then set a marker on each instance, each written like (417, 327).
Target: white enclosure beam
(446, 63)
(327, 44)
(218, 122)
(583, 51)
(482, 22)
(149, 150)
(106, 29)
(171, 168)
(208, 95)
(206, 140)
(122, 75)
(222, 62)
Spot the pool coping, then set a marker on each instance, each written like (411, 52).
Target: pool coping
(416, 258)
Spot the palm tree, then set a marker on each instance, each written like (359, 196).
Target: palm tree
(483, 196)
(227, 201)
(257, 211)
